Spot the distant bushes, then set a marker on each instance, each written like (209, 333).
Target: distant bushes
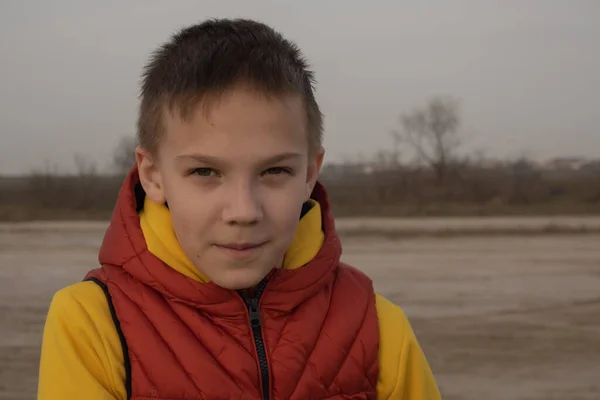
(49, 197)
(515, 188)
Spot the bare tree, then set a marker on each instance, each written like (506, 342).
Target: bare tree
(433, 133)
(84, 167)
(124, 154)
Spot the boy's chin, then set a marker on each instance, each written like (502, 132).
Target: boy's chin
(240, 280)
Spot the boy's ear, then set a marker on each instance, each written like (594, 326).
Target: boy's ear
(314, 168)
(150, 177)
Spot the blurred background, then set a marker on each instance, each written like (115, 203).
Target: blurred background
(463, 163)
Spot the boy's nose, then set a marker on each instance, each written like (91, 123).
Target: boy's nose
(243, 207)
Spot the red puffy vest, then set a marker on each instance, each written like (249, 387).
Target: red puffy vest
(309, 333)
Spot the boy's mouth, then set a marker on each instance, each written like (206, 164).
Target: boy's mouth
(242, 249)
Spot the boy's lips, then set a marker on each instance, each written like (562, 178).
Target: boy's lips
(242, 249)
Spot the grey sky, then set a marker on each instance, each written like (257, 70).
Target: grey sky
(528, 72)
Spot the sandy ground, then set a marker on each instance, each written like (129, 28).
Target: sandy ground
(498, 317)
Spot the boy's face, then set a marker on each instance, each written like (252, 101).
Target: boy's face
(235, 179)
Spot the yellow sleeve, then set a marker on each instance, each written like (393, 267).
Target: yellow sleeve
(404, 373)
(81, 354)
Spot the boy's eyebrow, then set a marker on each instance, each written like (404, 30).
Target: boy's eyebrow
(206, 159)
(282, 157)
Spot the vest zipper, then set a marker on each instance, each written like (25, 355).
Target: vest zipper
(255, 324)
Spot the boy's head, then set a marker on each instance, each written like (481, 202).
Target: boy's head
(230, 138)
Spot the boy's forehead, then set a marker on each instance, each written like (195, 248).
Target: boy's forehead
(251, 106)
(240, 120)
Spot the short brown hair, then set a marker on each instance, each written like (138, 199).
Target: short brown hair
(209, 58)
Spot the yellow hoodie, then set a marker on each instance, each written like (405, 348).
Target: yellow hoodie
(82, 356)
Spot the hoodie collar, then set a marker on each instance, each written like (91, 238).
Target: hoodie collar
(160, 237)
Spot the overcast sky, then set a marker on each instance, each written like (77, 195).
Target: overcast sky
(527, 72)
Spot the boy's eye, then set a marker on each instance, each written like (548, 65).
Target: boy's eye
(277, 171)
(204, 171)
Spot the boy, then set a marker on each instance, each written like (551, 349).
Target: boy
(220, 271)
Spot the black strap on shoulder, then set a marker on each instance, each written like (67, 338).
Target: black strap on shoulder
(124, 347)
